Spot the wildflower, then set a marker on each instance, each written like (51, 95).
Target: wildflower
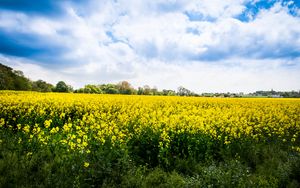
(26, 129)
(54, 130)
(47, 123)
(86, 164)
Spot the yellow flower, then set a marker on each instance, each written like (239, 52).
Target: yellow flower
(54, 130)
(86, 164)
(26, 129)
(84, 144)
(47, 123)
(62, 115)
(120, 118)
(2, 122)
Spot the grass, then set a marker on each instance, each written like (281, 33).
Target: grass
(253, 165)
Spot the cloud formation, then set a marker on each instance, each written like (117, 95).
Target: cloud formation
(207, 45)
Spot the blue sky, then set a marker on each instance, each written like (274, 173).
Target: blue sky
(204, 45)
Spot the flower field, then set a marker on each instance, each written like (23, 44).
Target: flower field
(103, 140)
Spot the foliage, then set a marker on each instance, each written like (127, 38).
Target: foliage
(183, 91)
(62, 140)
(168, 92)
(272, 93)
(42, 86)
(12, 80)
(125, 87)
(61, 86)
(15, 80)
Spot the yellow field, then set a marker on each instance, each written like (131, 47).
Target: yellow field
(86, 140)
(77, 120)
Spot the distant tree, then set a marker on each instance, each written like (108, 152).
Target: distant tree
(6, 78)
(87, 90)
(112, 90)
(61, 86)
(19, 73)
(146, 90)
(13, 80)
(226, 94)
(80, 90)
(272, 92)
(21, 83)
(92, 89)
(140, 91)
(168, 92)
(183, 91)
(125, 88)
(154, 91)
(70, 88)
(42, 86)
(109, 88)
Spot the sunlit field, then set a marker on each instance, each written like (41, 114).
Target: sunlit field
(50, 139)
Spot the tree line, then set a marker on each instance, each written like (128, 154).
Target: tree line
(124, 87)
(15, 80)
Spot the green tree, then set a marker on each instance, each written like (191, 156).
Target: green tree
(92, 89)
(125, 88)
(183, 91)
(168, 92)
(154, 91)
(147, 90)
(42, 86)
(109, 88)
(13, 80)
(140, 91)
(61, 86)
(70, 88)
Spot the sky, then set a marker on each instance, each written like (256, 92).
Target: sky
(202, 45)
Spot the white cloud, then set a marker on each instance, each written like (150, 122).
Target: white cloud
(217, 8)
(233, 75)
(156, 43)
